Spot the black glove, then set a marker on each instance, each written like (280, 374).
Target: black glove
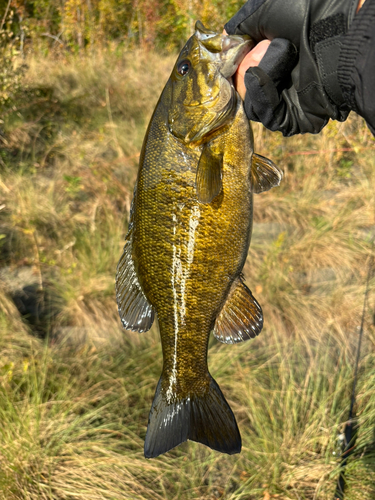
(289, 92)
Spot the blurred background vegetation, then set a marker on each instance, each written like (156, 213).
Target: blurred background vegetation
(83, 24)
(78, 83)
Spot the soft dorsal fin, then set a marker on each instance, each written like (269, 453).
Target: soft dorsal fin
(135, 311)
(264, 174)
(208, 180)
(241, 317)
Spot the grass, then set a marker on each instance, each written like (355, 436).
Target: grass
(74, 399)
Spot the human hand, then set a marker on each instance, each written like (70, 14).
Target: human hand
(283, 92)
(251, 59)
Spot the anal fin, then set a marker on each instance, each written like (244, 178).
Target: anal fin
(135, 311)
(241, 317)
(264, 174)
(208, 180)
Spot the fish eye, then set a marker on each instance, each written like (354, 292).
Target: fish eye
(183, 67)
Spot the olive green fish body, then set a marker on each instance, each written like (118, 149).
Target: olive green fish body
(187, 253)
(188, 239)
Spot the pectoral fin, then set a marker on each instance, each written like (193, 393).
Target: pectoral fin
(264, 173)
(208, 180)
(241, 317)
(135, 311)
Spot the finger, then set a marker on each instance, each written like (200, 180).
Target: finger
(360, 3)
(253, 58)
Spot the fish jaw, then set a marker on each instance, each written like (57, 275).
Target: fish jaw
(230, 48)
(234, 51)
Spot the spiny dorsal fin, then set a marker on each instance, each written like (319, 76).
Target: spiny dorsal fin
(135, 311)
(208, 180)
(264, 173)
(241, 317)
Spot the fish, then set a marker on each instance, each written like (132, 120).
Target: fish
(189, 233)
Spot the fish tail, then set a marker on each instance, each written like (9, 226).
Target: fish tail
(207, 419)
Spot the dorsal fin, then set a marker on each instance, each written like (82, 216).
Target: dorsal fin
(264, 174)
(241, 317)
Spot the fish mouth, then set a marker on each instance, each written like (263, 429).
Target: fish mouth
(231, 49)
(234, 50)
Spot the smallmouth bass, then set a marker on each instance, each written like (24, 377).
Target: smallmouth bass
(189, 234)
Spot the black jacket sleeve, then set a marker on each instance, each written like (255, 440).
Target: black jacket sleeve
(356, 67)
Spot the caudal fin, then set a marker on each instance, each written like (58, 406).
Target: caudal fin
(207, 419)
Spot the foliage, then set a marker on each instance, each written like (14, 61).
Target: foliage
(80, 24)
(11, 68)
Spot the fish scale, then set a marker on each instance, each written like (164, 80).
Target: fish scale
(188, 239)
